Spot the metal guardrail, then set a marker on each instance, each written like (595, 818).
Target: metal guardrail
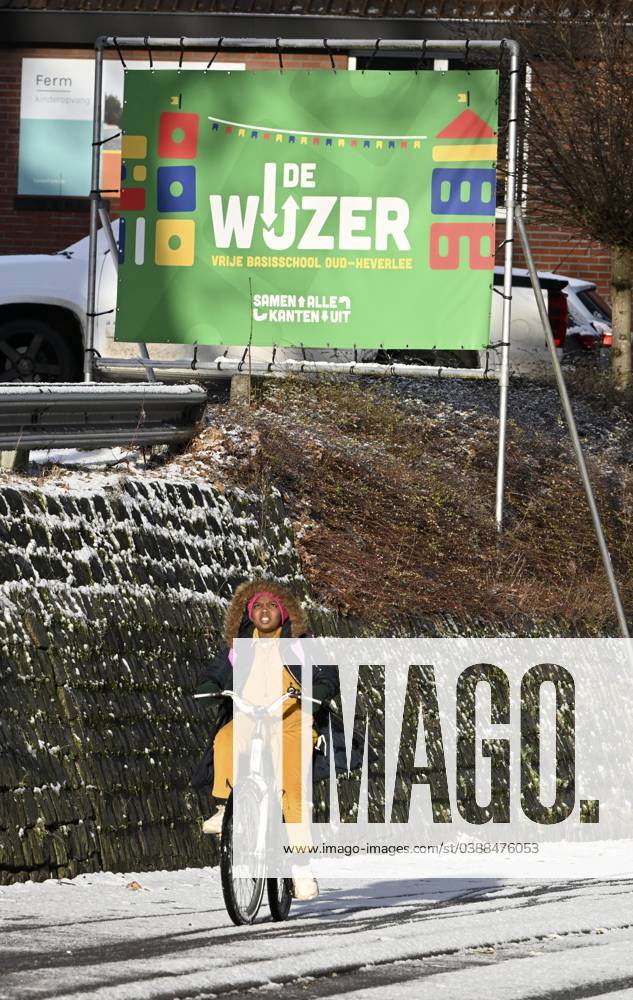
(93, 415)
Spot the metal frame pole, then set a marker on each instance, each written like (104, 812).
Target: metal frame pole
(444, 45)
(571, 425)
(369, 368)
(510, 201)
(95, 197)
(106, 225)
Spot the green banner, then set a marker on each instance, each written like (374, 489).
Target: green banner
(342, 209)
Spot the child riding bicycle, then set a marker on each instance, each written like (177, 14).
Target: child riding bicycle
(264, 609)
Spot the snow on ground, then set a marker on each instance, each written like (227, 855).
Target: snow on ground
(95, 936)
(84, 457)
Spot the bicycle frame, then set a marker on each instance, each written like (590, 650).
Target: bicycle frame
(262, 714)
(260, 771)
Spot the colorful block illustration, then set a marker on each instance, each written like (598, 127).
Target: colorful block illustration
(178, 135)
(134, 147)
(446, 245)
(467, 191)
(176, 189)
(468, 125)
(132, 200)
(465, 153)
(111, 171)
(121, 241)
(139, 173)
(139, 241)
(175, 242)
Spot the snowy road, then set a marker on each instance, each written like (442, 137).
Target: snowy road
(95, 937)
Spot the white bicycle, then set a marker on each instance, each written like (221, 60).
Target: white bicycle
(243, 895)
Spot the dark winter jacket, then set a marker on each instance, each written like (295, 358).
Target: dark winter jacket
(218, 677)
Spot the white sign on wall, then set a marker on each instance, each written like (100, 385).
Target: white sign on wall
(56, 123)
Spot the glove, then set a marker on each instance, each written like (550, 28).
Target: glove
(321, 692)
(208, 689)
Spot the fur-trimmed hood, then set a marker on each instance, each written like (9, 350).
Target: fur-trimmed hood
(236, 617)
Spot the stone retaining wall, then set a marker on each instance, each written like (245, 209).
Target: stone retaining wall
(111, 598)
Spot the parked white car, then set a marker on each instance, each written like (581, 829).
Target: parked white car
(528, 347)
(571, 326)
(586, 325)
(43, 320)
(589, 313)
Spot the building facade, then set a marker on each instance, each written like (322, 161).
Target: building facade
(46, 59)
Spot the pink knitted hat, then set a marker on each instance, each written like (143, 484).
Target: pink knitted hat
(266, 593)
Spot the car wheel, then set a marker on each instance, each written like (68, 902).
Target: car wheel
(33, 351)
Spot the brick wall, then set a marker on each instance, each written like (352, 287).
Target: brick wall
(27, 228)
(564, 253)
(30, 229)
(24, 228)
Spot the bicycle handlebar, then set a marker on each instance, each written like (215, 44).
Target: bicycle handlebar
(249, 709)
(296, 693)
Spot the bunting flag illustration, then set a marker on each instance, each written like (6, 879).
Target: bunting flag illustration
(328, 139)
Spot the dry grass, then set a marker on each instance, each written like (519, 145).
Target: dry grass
(393, 508)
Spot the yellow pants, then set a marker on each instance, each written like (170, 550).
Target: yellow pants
(291, 761)
(267, 679)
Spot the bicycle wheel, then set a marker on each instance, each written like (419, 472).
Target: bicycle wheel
(279, 897)
(242, 895)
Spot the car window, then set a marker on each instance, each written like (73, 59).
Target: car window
(596, 305)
